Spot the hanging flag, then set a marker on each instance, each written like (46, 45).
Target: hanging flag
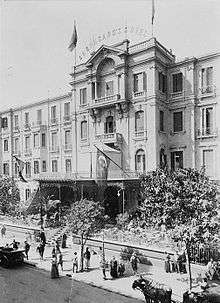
(102, 164)
(73, 40)
(153, 12)
(21, 165)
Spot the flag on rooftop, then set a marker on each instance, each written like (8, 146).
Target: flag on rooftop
(73, 40)
(153, 12)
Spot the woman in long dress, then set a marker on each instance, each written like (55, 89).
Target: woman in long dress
(54, 268)
(114, 268)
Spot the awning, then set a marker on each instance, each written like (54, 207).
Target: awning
(105, 148)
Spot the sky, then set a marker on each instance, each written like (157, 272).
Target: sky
(34, 36)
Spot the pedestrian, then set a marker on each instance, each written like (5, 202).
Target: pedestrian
(134, 262)
(57, 247)
(75, 262)
(210, 269)
(3, 231)
(54, 273)
(87, 256)
(60, 261)
(102, 262)
(167, 262)
(114, 268)
(40, 249)
(42, 236)
(175, 262)
(26, 248)
(121, 268)
(64, 238)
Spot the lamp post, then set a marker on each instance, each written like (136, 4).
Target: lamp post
(123, 198)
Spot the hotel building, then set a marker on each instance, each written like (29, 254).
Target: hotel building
(136, 103)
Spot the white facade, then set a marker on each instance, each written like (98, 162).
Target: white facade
(135, 99)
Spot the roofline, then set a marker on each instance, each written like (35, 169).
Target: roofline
(194, 59)
(36, 103)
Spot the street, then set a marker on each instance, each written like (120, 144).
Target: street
(31, 285)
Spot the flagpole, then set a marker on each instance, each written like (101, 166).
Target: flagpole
(152, 18)
(74, 92)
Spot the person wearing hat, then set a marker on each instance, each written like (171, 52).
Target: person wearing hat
(134, 262)
(26, 248)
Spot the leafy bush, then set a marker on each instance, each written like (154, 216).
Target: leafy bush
(122, 220)
(127, 252)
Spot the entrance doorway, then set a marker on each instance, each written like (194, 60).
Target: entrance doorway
(111, 201)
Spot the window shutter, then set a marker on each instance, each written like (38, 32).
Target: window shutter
(144, 81)
(165, 83)
(114, 126)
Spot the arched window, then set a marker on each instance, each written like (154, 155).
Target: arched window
(139, 121)
(140, 166)
(109, 125)
(84, 130)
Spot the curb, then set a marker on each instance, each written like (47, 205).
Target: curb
(30, 263)
(109, 290)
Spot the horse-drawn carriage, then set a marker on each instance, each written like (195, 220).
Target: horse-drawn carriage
(10, 257)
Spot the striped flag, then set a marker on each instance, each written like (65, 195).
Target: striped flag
(153, 12)
(20, 165)
(73, 40)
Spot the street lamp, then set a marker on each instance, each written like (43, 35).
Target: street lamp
(123, 197)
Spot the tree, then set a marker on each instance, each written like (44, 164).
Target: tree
(186, 202)
(86, 217)
(9, 196)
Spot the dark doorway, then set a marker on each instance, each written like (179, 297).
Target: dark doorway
(111, 201)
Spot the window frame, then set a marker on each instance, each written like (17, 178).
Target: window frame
(70, 165)
(182, 128)
(5, 145)
(140, 154)
(161, 120)
(173, 157)
(54, 164)
(6, 168)
(140, 129)
(84, 128)
(44, 166)
(83, 96)
(36, 167)
(175, 85)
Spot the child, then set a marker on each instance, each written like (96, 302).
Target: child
(60, 261)
(75, 262)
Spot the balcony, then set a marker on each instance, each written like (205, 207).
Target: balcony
(16, 129)
(139, 94)
(54, 149)
(207, 91)
(17, 153)
(67, 147)
(109, 138)
(103, 101)
(28, 152)
(207, 133)
(66, 119)
(27, 126)
(140, 135)
(176, 94)
(53, 121)
(39, 125)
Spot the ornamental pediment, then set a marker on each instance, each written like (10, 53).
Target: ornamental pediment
(105, 52)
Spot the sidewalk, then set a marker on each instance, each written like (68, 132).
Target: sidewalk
(178, 282)
(156, 272)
